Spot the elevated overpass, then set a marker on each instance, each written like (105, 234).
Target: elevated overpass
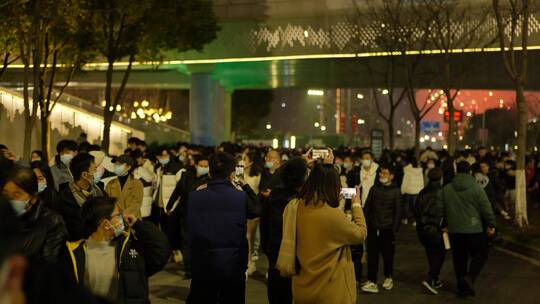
(299, 44)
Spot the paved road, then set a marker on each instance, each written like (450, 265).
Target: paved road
(506, 279)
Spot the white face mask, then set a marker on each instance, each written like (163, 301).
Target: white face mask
(66, 159)
(202, 170)
(384, 180)
(366, 162)
(431, 165)
(120, 170)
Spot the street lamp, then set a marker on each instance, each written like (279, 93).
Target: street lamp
(360, 96)
(323, 128)
(360, 121)
(268, 126)
(385, 92)
(317, 125)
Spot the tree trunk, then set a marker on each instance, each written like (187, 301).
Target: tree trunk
(45, 135)
(28, 116)
(452, 130)
(521, 218)
(391, 133)
(417, 130)
(107, 117)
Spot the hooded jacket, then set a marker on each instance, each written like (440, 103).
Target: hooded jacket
(140, 253)
(466, 205)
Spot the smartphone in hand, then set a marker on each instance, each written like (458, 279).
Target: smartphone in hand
(348, 193)
(319, 153)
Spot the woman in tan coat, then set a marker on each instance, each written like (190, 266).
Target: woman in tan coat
(323, 235)
(127, 190)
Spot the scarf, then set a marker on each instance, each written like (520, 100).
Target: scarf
(286, 262)
(82, 195)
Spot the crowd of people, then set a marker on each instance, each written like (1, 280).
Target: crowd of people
(104, 223)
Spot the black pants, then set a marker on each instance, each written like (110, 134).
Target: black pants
(186, 252)
(435, 256)
(380, 242)
(279, 288)
(470, 252)
(357, 251)
(229, 291)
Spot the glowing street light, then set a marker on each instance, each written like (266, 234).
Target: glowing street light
(317, 124)
(385, 92)
(323, 128)
(315, 92)
(268, 126)
(361, 121)
(145, 103)
(360, 96)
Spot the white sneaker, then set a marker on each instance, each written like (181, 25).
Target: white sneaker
(388, 284)
(404, 221)
(370, 287)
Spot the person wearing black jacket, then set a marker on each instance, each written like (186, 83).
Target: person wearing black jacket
(383, 217)
(217, 217)
(177, 216)
(117, 255)
(73, 195)
(43, 231)
(428, 226)
(293, 174)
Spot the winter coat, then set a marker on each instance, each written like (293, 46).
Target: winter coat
(167, 178)
(279, 198)
(147, 176)
(466, 205)
(383, 207)
(43, 233)
(216, 219)
(60, 174)
(128, 198)
(323, 238)
(367, 180)
(71, 212)
(413, 180)
(429, 216)
(140, 252)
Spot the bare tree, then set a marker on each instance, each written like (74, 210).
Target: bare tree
(454, 25)
(513, 17)
(395, 28)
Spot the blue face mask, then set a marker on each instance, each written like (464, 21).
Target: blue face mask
(164, 161)
(66, 159)
(269, 165)
(120, 229)
(99, 173)
(42, 187)
(18, 206)
(182, 158)
(120, 170)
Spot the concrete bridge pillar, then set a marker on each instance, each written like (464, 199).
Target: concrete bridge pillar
(209, 108)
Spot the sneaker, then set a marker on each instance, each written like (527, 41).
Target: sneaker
(252, 267)
(404, 221)
(430, 287)
(177, 256)
(505, 215)
(388, 284)
(370, 287)
(438, 284)
(414, 224)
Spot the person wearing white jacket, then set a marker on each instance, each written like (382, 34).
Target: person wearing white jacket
(413, 183)
(368, 174)
(145, 173)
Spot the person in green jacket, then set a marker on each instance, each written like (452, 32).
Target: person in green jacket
(470, 220)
